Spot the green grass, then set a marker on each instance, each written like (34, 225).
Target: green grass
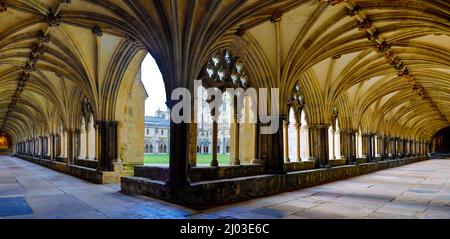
(224, 159)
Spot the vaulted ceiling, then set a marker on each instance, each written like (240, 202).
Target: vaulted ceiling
(384, 65)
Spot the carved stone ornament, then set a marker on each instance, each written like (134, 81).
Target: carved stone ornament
(3, 7)
(86, 108)
(332, 2)
(383, 47)
(364, 25)
(354, 11)
(97, 31)
(43, 38)
(296, 98)
(52, 20)
(228, 70)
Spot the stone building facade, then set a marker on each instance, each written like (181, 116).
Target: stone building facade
(157, 130)
(156, 133)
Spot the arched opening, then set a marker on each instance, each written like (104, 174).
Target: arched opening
(337, 141)
(156, 130)
(334, 140)
(292, 136)
(304, 139)
(205, 130)
(5, 144)
(247, 132)
(441, 142)
(359, 148)
(83, 138)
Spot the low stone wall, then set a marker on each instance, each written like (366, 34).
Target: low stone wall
(152, 172)
(86, 163)
(198, 174)
(61, 160)
(299, 166)
(337, 162)
(224, 172)
(87, 174)
(217, 192)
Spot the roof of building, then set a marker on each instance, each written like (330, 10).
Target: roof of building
(156, 121)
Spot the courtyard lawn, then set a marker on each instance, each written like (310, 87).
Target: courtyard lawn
(224, 159)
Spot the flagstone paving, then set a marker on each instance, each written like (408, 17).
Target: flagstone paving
(420, 190)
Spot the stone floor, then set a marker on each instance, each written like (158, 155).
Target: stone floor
(420, 190)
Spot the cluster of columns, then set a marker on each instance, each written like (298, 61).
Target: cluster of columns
(396, 147)
(270, 148)
(297, 127)
(68, 145)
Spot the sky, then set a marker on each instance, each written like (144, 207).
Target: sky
(153, 83)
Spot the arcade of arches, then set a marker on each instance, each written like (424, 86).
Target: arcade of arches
(363, 85)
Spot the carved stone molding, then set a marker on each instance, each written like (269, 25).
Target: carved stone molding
(354, 11)
(3, 6)
(365, 25)
(43, 38)
(52, 20)
(86, 109)
(332, 2)
(276, 17)
(97, 31)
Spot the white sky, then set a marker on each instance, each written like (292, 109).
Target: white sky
(153, 82)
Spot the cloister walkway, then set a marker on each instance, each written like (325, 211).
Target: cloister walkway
(420, 190)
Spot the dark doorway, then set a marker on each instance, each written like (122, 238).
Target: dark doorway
(5, 144)
(441, 141)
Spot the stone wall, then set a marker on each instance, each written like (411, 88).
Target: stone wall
(130, 112)
(337, 162)
(198, 174)
(86, 163)
(84, 173)
(217, 192)
(298, 166)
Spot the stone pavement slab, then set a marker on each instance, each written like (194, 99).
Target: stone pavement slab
(420, 190)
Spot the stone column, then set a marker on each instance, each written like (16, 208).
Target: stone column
(297, 134)
(394, 148)
(271, 148)
(342, 144)
(333, 142)
(179, 156)
(379, 153)
(70, 146)
(77, 143)
(82, 144)
(42, 147)
(258, 154)
(323, 143)
(318, 145)
(286, 141)
(51, 147)
(214, 161)
(371, 147)
(400, 147)
(365, 145)
(33, 148)
(351, 147)
(312, 143)
(235, 127)
(107, 145)
(63, 144)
